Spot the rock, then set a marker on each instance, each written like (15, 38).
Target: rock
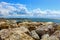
(45, 37)
(3, 25)
(53, 38)
(34, 34)
(4, 33)
(58, 27)
(10, 30)
(49, 29)
(23, 35)
(49, 23)
(8, 24)
(24, 29)
(57, 33)
(14, 34)
(41, 31)
(0, 38)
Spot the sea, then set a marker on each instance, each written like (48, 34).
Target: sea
(40, 20)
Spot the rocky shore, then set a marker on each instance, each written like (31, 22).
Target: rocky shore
(11, 30)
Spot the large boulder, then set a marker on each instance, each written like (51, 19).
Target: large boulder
(14, 34)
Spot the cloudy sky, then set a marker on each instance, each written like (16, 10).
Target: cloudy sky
(30, 8)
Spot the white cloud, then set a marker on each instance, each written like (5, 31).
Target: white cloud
(7, 9)
(46, 13)
(20, 10)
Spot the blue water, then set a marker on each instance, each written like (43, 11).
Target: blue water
(41, 20)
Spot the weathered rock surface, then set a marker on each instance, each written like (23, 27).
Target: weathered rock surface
(14, 34)
(57, 34)
(45, 37)
(8, 24)
(10, 30)
(53, 38)
(34, 34)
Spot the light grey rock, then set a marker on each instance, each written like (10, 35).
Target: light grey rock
(57, 33)
(45, 37)
(34, 34)
(53, 38)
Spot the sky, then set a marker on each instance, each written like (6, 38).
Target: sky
(30, 8)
